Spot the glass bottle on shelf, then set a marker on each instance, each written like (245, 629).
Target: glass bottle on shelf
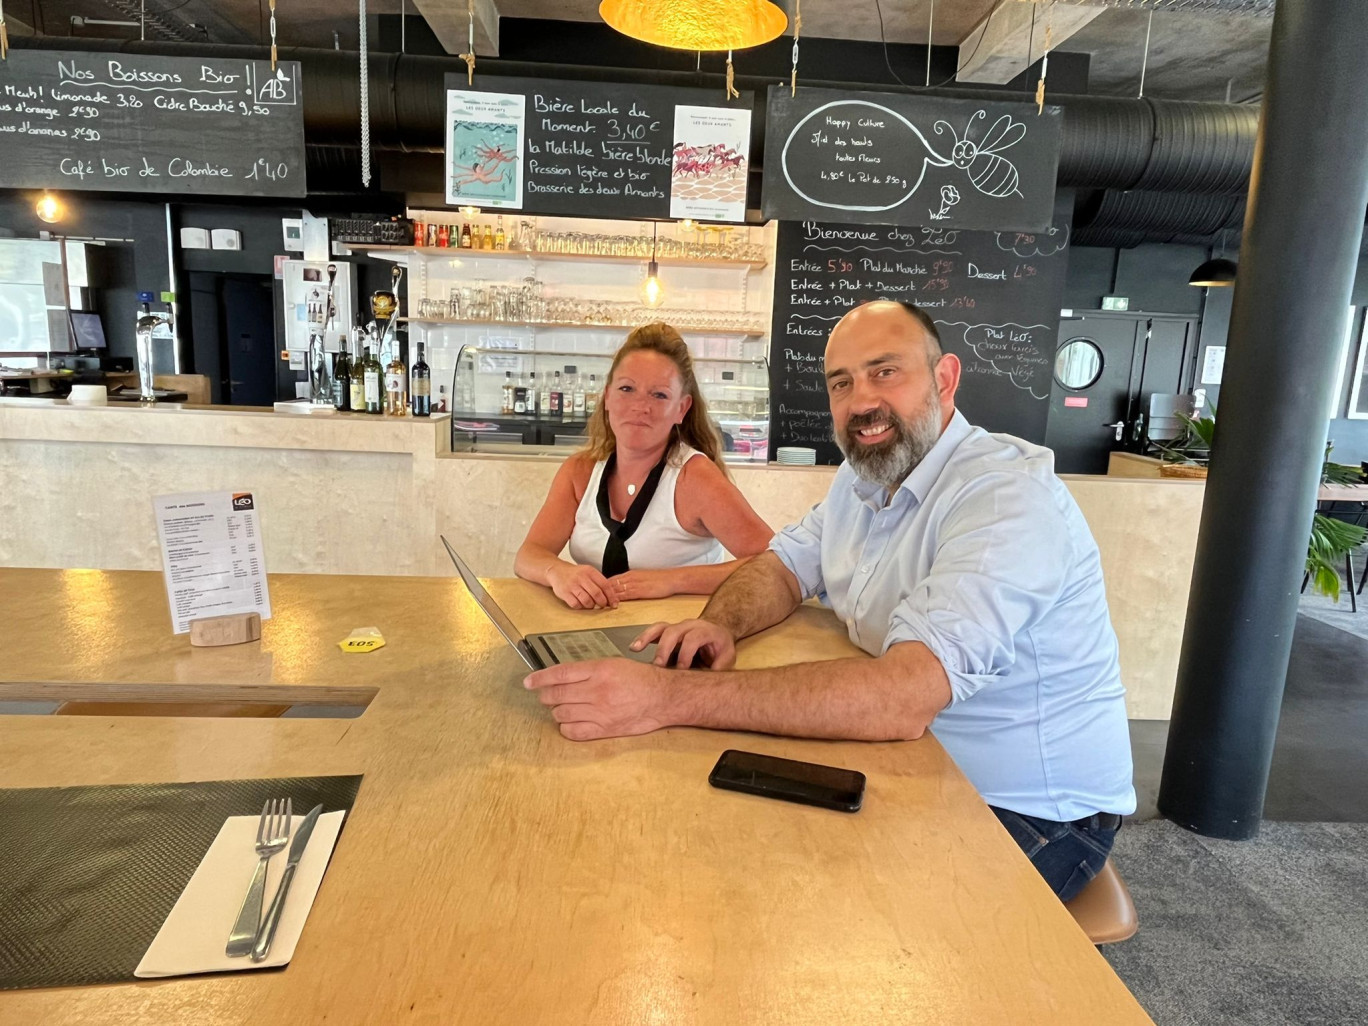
(357, 402)
(372, 375)
(420, 386)
(341, 382)
(591, 396)
(568, 396)
(465, 235)
(488, 237)
(443, 236)
(396, 387)
(440, 406)
(579, 397)
(553, 404)
(500, 240)
(533, 395)
(506, 405)
(520, 395)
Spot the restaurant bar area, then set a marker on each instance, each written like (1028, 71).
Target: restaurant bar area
(658, 511)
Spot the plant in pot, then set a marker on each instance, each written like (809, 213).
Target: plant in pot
(1331, 540)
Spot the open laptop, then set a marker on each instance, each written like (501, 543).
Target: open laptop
(542, 650)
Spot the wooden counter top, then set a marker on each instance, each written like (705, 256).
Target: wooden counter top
(493, 872)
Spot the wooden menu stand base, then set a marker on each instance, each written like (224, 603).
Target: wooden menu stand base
(235, 629)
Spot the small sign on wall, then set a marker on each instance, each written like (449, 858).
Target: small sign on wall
(1213, 364)
(1076, 401)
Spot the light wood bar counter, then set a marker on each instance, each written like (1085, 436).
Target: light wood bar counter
(492, 872)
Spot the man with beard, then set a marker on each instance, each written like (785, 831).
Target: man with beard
(961, 562)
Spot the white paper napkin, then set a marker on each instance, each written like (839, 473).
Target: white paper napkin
(195, 933)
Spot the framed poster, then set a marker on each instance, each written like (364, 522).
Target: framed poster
(484, 148)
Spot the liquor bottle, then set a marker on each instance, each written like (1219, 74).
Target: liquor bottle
(443, 236)
(506, 405)
(465, 235)
(488, 237)
(500, 239)
(591, 396)
(533, 396)
(544, 398)
(373, 377)
(554, 401)
(520, 395)
(568, 395)
(579, 397)
(396, 386)
(440, 406)
(421, 386)
(342, 374)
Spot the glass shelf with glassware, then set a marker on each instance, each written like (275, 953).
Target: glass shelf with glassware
(520, 397)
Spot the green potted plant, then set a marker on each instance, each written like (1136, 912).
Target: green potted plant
(1188, 454)
(1331, 539)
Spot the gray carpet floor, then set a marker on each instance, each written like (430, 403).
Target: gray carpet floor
(1268, 932)
(1338, 614)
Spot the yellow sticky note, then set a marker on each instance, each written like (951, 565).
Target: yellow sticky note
(363, 639)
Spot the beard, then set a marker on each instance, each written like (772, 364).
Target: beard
(889, 462)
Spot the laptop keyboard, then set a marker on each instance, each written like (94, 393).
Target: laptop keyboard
(581, 645)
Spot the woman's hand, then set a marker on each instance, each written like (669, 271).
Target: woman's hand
(580, 586)
(642, 584)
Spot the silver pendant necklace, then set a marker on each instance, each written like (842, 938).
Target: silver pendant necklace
(631, 489)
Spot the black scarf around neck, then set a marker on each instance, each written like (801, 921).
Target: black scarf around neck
(615, 552)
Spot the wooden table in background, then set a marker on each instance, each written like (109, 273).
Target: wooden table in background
(493, 872)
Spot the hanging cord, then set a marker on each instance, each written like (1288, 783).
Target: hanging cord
(4, 34)
(1144, 61)
(1045, 64)
(797, 31)
(732, 94)
(930, 30)
(365, 102)
(273, 36)
(469, 57)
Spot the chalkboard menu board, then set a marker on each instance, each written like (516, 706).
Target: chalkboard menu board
(141, 123)
(596, 149)
(886, 158)
(994, 297)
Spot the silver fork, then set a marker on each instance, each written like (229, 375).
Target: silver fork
(273, 833)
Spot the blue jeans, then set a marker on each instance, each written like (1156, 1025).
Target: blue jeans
(1068, 855)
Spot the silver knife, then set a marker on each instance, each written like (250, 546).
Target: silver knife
(266, 932)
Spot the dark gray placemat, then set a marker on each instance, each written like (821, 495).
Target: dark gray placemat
(88, 874)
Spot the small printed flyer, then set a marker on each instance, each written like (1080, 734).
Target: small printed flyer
(711, 160)
(484, 148)
(212, 556)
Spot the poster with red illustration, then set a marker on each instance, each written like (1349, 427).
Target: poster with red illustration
(711, 159)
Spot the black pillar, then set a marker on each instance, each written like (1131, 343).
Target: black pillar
(1302, 231)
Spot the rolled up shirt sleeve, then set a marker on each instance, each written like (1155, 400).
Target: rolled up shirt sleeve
(1000, 566)
(799, 548)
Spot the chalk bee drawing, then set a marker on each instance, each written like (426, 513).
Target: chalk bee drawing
(991, 174)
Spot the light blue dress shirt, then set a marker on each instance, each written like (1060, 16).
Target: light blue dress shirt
(983, 556)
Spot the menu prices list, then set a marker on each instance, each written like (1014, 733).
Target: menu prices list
(596, 149)
(993, 295)
(212, 556)
(148, 123)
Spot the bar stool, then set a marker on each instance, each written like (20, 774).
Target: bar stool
(1103, 909)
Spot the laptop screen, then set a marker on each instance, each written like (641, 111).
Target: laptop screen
(486, 602)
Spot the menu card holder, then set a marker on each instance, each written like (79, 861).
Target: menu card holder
(234, 629)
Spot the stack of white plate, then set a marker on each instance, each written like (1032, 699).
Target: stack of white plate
(796, 456)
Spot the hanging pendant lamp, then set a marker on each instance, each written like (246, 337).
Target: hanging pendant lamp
(1214, 273)
(696, 24)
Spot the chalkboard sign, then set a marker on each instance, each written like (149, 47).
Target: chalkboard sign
(596, 149)
(141, 123)
(885, 158)
(994, 297)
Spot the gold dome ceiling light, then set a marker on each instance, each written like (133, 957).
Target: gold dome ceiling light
(696, 24)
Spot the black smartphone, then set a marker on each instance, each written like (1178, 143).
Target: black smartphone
(807, 783)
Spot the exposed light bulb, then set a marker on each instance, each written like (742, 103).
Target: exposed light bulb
(49, 208)
(470, 211)
(652, 291)
(688, 224)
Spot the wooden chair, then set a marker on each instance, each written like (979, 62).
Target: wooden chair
(1104, 908)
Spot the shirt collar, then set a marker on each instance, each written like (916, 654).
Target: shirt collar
(924, 474)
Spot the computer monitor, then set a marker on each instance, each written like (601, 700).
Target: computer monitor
(88, 330)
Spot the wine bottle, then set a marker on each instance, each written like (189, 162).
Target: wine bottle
(421, 386)
(342, 374)
(396, 386)
(373, 375)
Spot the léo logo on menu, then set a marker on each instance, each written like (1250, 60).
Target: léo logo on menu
(243, 500)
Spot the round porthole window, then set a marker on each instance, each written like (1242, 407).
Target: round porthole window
(1078, 364)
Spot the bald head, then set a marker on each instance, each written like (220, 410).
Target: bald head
(891, 321)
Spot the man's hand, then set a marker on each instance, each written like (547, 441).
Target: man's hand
(681, 642)
(580, 586)
(603, 698)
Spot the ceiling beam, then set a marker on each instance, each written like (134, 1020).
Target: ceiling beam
(1012, 37)
(450, 23)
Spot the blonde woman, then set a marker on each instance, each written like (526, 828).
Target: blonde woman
(647, 505)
